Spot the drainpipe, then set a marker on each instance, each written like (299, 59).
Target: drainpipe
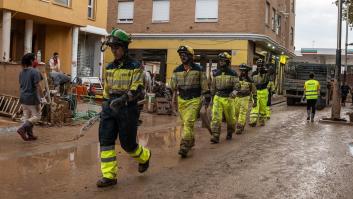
(75, 32)
(6, 35)
(28, 36)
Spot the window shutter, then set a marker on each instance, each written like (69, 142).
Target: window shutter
(160, 11)
(125, 12)
(206, 10)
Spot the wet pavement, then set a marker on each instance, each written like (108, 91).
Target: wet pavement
(288, 158)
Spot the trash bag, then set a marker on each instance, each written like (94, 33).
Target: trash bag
(206, 117)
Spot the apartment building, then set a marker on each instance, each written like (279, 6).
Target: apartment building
(248, 29)
(73, 28)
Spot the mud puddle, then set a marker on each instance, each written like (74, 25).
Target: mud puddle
(350, 146)
(73, 155)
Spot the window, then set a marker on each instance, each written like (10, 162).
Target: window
(126, 12)
(292, 36)
(160, 11)
(63, 2)
(274, 19)
(267, 17)
(278, 24)
(91, 9)
(206, 11)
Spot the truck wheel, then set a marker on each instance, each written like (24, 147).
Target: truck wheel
(290, 101)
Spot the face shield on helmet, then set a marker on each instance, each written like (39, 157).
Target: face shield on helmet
(260, 63)
(186, 54)
(244, 70)
(224, 59)
(117, 38)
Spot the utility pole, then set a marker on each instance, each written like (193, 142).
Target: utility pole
(336, 105)
(346, 50)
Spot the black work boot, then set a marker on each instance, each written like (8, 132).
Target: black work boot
(106, 182)
(308, 118)
(229, 134)
(185, 147)
(143, 167)
(214, 139)
(252, 124)
(312, 117)
(183, 153)
(239, 130)
(22, 131)
(30, 134)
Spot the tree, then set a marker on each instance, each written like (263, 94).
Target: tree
(348, 5)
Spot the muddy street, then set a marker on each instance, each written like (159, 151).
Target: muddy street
(288, 158)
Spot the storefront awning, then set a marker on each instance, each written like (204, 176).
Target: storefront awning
(226, 36)
(94, 30)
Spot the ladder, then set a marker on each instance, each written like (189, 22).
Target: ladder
(9, 105)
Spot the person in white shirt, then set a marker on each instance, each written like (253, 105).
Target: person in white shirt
(54, 63)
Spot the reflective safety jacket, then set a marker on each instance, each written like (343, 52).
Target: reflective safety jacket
(189, 84)
(123, 77)
(246, 87)
(311, 88)
(261, 81)
(224, 82)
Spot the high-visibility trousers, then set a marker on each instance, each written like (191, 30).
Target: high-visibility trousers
(241, 110)
(269, 104)
(222, 105)
(123, 124)
(189, 111)
(258, 113)
(268, 112)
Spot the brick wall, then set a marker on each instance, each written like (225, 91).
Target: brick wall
(235, 16)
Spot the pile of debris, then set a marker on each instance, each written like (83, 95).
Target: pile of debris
(160, 100)
(350, 115)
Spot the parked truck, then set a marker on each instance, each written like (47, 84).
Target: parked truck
(297, 73)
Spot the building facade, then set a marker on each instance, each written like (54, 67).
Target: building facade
(248, 29)
(73, 28)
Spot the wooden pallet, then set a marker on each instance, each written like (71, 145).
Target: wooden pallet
(9, 105)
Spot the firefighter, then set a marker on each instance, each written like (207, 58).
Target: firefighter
(189, 82)
(271, 91)
(247, 90)
(224, 82)
(123, 85)
(261, 80)
(311, 92)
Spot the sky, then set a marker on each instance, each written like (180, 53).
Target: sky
(316, 25)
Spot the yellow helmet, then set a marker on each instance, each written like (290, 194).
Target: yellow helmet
(226, 56)
(186, 49)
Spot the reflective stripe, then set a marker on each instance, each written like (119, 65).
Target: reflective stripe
(107, 148)
(139, 153)
(111, 159)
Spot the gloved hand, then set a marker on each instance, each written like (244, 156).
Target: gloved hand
(119, 102)
(233, 94)
(43, 100)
